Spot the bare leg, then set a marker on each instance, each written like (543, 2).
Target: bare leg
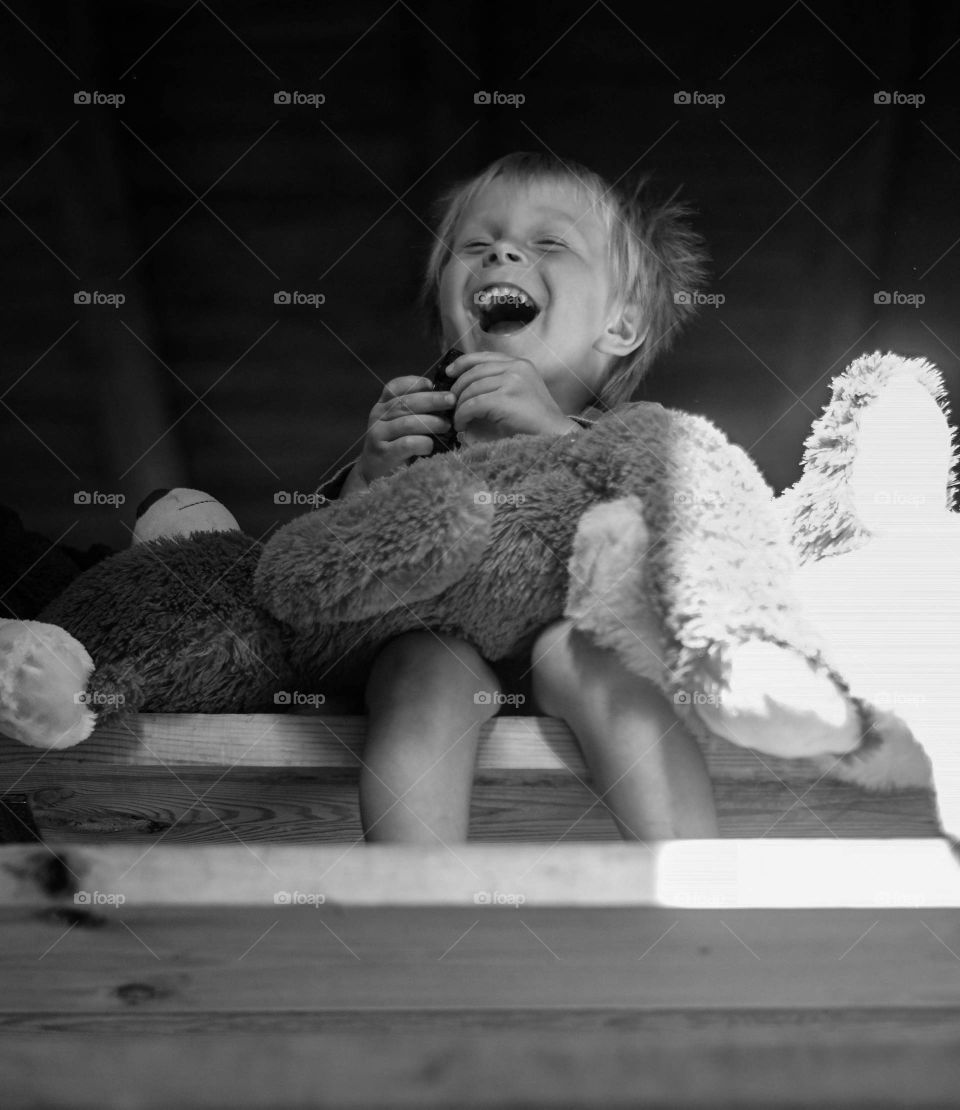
(425, 708)
(648, 768)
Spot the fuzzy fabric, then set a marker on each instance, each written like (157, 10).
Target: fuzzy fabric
(880, 551)
(494, 542)
(818, 511)
(171, 628)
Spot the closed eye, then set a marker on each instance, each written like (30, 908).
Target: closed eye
(551, 242)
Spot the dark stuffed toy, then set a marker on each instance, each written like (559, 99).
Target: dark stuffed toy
(168, 625)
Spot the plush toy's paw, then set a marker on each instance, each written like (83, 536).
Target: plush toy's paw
(43, 675)
(774, 701)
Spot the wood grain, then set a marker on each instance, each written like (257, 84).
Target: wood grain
(194, 777)
(516, 1068)
(242, 741)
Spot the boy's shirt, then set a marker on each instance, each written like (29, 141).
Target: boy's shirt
(331, 490)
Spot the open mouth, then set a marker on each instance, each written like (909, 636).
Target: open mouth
(503, 308)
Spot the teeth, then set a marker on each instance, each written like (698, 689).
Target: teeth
(502, 294)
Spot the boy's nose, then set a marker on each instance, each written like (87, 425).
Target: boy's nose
(500, 252)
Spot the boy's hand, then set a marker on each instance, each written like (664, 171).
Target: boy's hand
(498, 395)
(399, 427)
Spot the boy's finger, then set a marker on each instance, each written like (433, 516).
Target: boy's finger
(422, 424)
(409, 383)
(416, 402)
(474, 358)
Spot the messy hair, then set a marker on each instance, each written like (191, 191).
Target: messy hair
(658, 261)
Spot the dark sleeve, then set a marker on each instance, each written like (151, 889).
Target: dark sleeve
(330, 490)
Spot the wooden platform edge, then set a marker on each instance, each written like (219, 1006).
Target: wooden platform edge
(308, 741)
(708, 874)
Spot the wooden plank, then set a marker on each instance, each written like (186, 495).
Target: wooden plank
(238, 959)
(532, 1069)
(302, 806)
(901, 1024)
(240, 741)
(724, 874)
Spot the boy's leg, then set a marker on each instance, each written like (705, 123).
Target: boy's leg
(423, 725)
(646, 766)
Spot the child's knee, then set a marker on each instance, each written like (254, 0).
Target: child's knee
(567, 664)
(445, 669)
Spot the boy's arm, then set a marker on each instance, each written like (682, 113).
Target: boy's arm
(347, 480)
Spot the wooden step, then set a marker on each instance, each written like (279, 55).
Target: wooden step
(688, 973)
(291, 778)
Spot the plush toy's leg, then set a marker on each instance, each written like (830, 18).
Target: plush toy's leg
(774, 701)
(770, 698)
(376, 551)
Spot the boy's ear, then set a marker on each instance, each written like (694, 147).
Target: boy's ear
(625, 331)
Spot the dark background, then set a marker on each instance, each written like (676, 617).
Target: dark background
(200, 198)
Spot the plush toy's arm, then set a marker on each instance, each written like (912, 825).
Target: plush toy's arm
(407, 538)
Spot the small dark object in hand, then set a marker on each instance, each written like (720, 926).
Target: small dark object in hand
(446, 440)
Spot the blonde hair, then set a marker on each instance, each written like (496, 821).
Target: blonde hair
(658, 260)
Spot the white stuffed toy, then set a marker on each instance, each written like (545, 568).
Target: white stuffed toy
(879, 545)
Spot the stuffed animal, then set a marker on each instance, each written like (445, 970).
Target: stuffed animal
(654, 533)
(168, 625)
(651, 532)
(656, 537)
(872, 523)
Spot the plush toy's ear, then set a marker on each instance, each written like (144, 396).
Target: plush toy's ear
(901, 475)
(880, 453)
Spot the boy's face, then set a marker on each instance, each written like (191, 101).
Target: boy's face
(544, 240)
